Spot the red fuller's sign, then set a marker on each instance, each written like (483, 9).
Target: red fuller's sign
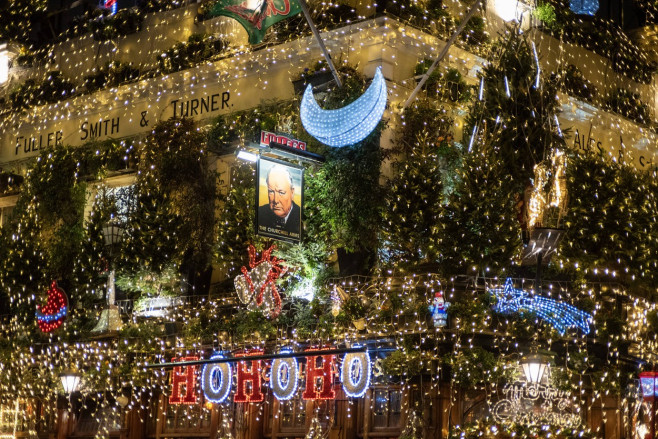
(283, 375)
(266, 137)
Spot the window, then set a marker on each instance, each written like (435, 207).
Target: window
(293, 413)
(21, 416)
(5, 215)
(187, 417)
(387, 406)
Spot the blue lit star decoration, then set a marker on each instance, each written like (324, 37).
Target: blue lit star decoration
(350, 124)
(584, 7)
(560, 315)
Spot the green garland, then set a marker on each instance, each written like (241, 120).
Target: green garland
(486, 429)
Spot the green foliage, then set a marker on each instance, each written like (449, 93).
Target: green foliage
(108, 27)
(471, 312)
(652, 320)
(173, 222)
(445, 86)
(148, 283)
(515, 119)
(474, 33)
(53, 88)
(140, 337)
(479, 231)
(198, 48)
(20, 18)
(610, 223)
(252, 325)
(409, 232)
(204, 328)
(49, 234)
(609, 325)
(343, 196)
(629, 105)
(571, 80)
(422, 180)
(10, 183)
(484, 429)
(603, 37)
(545, 12)
(430, 16)
(427, 128)
(307, 267)
(407, 363)
(245, 126)
(235, 222)
(112, 74)
(474, 366)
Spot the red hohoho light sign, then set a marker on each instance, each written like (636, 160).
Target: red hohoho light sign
(266, 137)
(319, 378)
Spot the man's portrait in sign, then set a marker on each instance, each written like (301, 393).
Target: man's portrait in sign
(279, 200)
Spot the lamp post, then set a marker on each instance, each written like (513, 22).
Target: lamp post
(649, 392)
(534, 367)
(4, 63)
(70, 381)
(110, 319)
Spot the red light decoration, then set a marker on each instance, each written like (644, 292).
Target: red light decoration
(52, 314)
(252, 376)
(324, 373)
(267, 266)
(183, 376)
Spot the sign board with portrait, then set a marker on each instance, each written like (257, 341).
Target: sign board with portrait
(279, 194)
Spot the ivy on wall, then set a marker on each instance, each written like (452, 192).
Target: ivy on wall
(49, 237)
(173, 219)
(611, 221)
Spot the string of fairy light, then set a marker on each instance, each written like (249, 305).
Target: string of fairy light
(240, 62)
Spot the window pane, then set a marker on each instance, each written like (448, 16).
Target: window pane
(395, 406)
(293, 413)
(380, 408)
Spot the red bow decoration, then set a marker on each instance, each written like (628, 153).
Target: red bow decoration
(253, 285)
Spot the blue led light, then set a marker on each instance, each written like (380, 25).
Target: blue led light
(284, 378)
(51, 317)
(347, 125)
(355, 374)
(216, 380)
(560, 315)
(584, 7)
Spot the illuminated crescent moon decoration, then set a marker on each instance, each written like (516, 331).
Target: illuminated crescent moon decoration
(347, 125)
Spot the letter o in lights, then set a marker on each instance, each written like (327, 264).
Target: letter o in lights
(355, 374)
(283, 378)
(216, 380)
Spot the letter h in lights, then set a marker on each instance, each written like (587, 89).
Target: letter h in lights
(253, 376)
(183, 376)
(323, 373)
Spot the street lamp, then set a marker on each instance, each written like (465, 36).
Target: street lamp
(4, 63)
(534, 366)
(70, 381)
(110, 319)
